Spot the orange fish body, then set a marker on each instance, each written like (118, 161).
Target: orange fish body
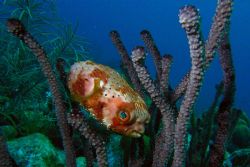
(108, 97)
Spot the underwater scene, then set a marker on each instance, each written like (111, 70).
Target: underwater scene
(124, 83)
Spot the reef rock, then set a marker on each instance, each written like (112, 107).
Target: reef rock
(37, 150)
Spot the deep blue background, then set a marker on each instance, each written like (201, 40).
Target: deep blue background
(98, 17)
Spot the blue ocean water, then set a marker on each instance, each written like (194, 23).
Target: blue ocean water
(33, 128)
(96, 18)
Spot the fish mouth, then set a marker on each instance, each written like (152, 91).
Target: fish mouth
(135, 134)
(128, 132)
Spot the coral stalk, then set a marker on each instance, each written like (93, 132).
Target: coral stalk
(189, 19)
(150, 44)
(166, 63)
(17, 29)
(221, 17)
(218, 148)
(79, 123)
(180, 89)
(60, 62)
(126, 61)
(164, 147)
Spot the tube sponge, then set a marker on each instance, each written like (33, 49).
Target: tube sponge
(190, 21)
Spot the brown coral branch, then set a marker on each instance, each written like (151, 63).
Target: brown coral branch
(126, 61)
(166, 63)
(78, 122)
(89, 154)
(189, 19)
(180, 89)
(60, 62)
(218, 148)
(221, 17)
(164, 142)
(220, 20)
(150, 44)
(17, 28)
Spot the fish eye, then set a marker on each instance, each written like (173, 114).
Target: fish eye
(123, 115)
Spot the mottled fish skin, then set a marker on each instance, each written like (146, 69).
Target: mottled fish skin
(108, 97)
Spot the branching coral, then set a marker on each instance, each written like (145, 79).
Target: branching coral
(127, 63)
(150, 44)
(79, 123)
(221, 17)
(164, 142)
(201, 54)
(166, 63)
(16, 27)
(218, 148)
(189, 18)
(169, 137)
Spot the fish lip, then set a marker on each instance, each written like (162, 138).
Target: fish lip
(135, 134)
(130, 133)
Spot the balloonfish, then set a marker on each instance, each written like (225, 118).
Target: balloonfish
(108, 97)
